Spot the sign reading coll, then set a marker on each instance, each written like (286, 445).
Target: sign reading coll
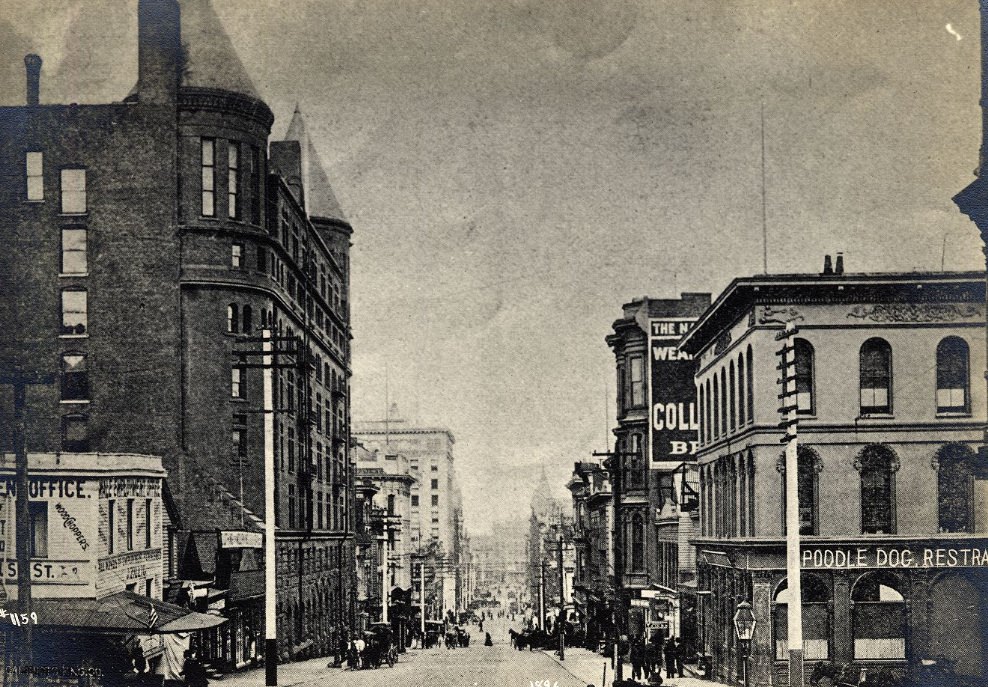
(973, 555)
(673, 394)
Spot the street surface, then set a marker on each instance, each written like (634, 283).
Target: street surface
(475, 666)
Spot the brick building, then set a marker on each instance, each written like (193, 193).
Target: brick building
(654, 451)
(149, 241)
(891, 489)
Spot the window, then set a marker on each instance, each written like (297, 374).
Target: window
(74, 311)
(232, 318)
(75, 433)
(74, 251)
(731, 411)
(815, 596)
(749, 368)
(255, 185)
(38, 513)
(742, 412)
(804, 376)
(807, 480)
(435, 499)
(715, 408)
(319, 504)
(953, 376)
(876, 376)
(208, 161)
(391, 504)
(876, 464)
(415, 500)
(34, 172)
(291, 505)
(318, 412)
(111, 526)
(637, 544)
(149, 587)
(236, 382)
(435, 484)
(620, 388)
(878, 617)
(635, 469)
(637, 395)
(236, 255)
(232, 172)
(433, 468)
(73, 191)
(962, 490)
(262, 260)
(130, 524)
(237, 443)
(148, 522)
(723, 400)
(247, 320)
(75, 378)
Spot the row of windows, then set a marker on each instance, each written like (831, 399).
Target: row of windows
(72, 184)
(130, 534)
(726, 399)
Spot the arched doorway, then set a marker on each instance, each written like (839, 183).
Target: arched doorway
(957, 632)
(878, 617)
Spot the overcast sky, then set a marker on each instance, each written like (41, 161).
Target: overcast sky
(516, 170)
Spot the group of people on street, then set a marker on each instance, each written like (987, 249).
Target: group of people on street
(647, 658)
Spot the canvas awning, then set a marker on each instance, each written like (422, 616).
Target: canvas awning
(123, 612)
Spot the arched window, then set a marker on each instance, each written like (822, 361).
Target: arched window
(749, 368)
(732, 406)
(742, 411)
(248, 320)
(878, 617)
(75, 377)
(877, 465)
(715, 410)
(710, 413)
(637, 543)
(815, 597)
(701, 397)
(962, 483)
(804, 377)
(232, 318)
(953, 376)
(723, 400)
(876, 376)
(807, 477)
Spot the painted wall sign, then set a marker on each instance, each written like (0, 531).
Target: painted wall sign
(47, 487)
(139, 487)
(672, 393)
(890, 557)
(52, 572)
(241, 539)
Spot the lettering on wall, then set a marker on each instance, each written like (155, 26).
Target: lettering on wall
(47, 487)
(890, 557)
(51, 572)
(674, 418)
(70, 524)
(121, 487)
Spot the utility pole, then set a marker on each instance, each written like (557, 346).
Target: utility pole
(20, 381)
(384, 576)
(789, 411)
(614, 463)
(561, 622)
(269, 363)
(422, 601)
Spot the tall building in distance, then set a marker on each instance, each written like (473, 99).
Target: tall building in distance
(148, 243)
(436, 517)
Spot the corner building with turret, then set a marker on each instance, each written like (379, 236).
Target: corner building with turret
(147, 244)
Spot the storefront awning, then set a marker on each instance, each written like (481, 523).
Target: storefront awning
(123, 612)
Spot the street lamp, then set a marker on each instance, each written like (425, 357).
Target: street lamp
(744, 626)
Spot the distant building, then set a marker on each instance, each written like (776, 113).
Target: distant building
(593, 524)
(892, 490)
(436, 504)
(147, 243)
(655, 443)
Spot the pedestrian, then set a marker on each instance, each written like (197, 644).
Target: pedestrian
(680, 651)
(487, 639)
(195, 674)
(653, 655)
(670, 653)
(637, 659)
(481, 624)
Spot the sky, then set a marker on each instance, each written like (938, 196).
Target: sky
(516, 170)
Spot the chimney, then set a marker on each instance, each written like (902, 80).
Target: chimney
(159, 49)
(33, 65)
(827, 266)
(839, 269)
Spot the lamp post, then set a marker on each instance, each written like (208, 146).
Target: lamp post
(744, 626)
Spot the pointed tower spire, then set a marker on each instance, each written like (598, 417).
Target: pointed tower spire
(320, 201)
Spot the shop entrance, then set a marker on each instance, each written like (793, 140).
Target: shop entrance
(957, 631)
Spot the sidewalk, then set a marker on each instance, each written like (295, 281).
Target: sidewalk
(290, 674)
(588, 667)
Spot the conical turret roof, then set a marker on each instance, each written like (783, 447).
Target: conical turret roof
(320, 201)
(210, 58)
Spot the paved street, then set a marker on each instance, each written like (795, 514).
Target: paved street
(476, 666)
